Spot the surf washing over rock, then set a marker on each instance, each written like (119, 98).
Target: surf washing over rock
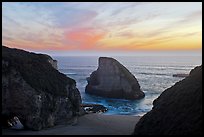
(113, 80)
(35, 91)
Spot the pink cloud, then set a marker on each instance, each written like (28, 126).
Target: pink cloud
(85, 38)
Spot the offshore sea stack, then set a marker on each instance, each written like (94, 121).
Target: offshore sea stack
(177, 111)
(35, 91)
(113, 80)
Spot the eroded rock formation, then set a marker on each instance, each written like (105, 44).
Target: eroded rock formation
(113, 80)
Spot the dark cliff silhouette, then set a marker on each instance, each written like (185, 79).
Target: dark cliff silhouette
(177, 111)
(34, 91)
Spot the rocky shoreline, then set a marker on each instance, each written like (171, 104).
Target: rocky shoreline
(47, 102)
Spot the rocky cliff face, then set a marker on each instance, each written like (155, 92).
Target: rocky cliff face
(35, 91)
(177, 111)
(53, 63)
(113, 80)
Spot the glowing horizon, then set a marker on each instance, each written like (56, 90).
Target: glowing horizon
(100, 26)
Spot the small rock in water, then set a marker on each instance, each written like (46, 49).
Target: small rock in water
(180, 75)
(94, 108)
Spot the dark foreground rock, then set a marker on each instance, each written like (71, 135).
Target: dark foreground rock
(177, 111)
(113, 80)
(33, 90)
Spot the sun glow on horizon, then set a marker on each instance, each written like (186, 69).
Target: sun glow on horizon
(114, 26)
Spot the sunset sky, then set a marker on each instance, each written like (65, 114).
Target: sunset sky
(82, 27)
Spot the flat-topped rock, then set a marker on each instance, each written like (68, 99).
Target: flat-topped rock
(113, 80)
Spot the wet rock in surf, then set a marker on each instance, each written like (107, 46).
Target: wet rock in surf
(94, 108)
(180, 75)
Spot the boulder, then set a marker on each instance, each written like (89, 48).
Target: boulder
(113, 80)
(94, 108)
(177, 111)
(36, 92)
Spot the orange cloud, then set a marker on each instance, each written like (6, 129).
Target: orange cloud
(36, 45)
(85, 38)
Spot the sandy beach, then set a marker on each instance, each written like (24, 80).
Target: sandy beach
(89, 124)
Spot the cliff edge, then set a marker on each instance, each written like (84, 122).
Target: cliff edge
(177, 111)
(35, 91)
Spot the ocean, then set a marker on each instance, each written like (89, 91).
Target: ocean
(154, 74)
